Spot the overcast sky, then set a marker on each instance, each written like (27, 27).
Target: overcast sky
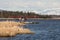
(32, 5)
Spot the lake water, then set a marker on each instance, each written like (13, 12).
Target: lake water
(45, 30)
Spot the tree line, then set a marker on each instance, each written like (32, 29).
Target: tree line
(8, 14)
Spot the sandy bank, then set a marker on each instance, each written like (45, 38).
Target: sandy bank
(10, 28)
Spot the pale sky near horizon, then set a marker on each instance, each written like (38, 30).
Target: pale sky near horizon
(26, 5)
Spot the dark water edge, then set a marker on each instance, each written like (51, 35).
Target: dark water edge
(45, 30)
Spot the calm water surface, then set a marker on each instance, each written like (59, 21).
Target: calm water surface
(45, 30)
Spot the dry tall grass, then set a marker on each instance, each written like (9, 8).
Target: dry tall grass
(11, 28)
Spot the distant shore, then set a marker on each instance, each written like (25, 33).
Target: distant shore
(45, 18)
(31, 18)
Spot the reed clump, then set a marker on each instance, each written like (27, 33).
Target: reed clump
(11, 28)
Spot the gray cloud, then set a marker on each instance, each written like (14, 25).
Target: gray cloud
(36, 5)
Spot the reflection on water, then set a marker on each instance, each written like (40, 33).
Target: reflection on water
(45, 30)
